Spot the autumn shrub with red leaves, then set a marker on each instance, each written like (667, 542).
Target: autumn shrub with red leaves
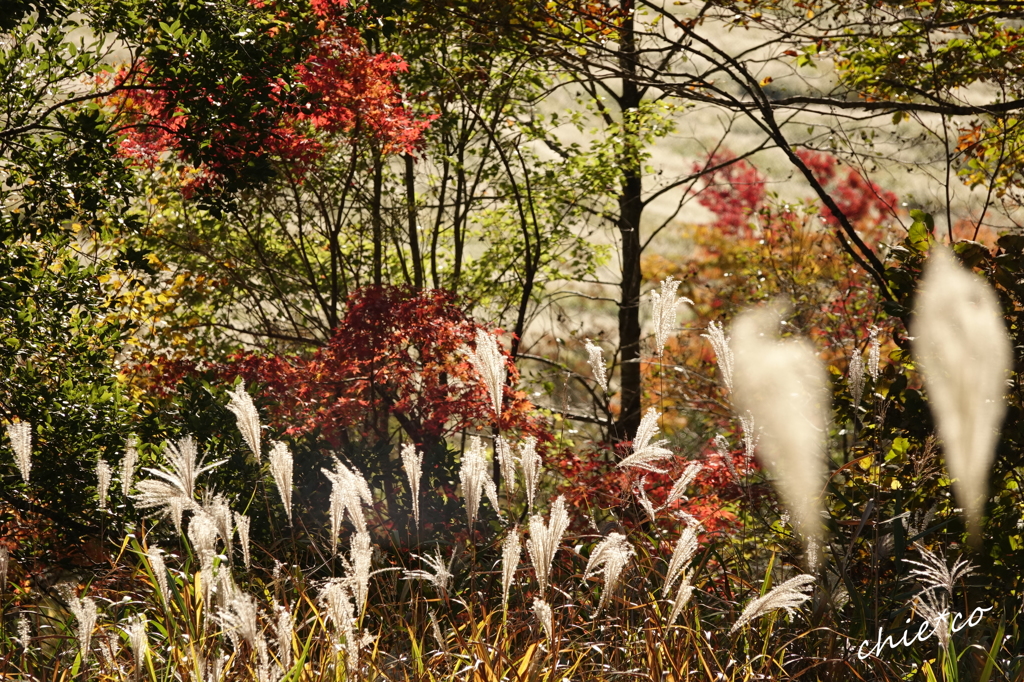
(321, 86)
(395, 369)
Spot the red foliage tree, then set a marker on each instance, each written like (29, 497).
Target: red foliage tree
(863, 202)
(228, 128)
(733, 190)
(397, 354)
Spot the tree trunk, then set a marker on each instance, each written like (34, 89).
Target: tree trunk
(630, 210)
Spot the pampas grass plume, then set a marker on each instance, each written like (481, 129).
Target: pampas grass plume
(20, 434)
(476, 479)
(783, 385)
(490, 365)
(529, 461)
(545, 539)
(281, 464)
(247, 417)
(645, 452)
(609, 557)
(965, 357)
(787, 596)
(103, 476)
(412, 462)
(595, 358)
(511, 551)
(128, 464)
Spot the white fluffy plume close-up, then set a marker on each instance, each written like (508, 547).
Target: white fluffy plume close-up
(783, 384)
(965, 356)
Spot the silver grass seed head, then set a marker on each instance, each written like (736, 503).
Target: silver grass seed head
(511, 551)
(545, 539)
(934, 573)
(24, 638)
(138, 640)
(529, 461)
(682, 555)
(874, 352)
(85, 613)
(476, 480)
(103, 476)
(783, 385)
(507, 461)
(545, 616)
(440, 576)
(220, 512)
(284, 630)
(787, 596)
(664, 307)
(203, 534)
(682, 598)
(965, 357)
(723, 351)
(935, 610)
(491, 367)
(242, 524)
(247, 417)
(595, 358)
(640, 490)
(359, 563)
(855, 378)
(20, 434)
(173, 489)
(678, 490)
(281, 464)
(128, 464)
(412, 462)
(646, 452)
(349, 492)
(156, 563)
(610, 557)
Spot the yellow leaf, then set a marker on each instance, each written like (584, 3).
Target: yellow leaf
(766, 80)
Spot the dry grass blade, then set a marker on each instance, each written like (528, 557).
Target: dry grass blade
(966, 357)
(788, 596)
(784, 386)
